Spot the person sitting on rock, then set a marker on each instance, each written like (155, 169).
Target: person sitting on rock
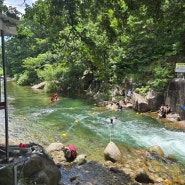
(168, 109)
(162, 113)
(129, 93)
(70, 153)
(162, 107)
(119, 105)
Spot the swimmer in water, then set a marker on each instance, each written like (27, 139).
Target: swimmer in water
(112, 120)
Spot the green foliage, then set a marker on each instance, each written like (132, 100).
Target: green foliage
(49, 73)
(71, 79)
(160, 77)
(39, 69)
(159, 84)
(142, 90)
(62, 40)
(36, 63)
(27, 78)
(52, 86)
(1, 71)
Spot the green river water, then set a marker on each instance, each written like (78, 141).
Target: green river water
(32, 118)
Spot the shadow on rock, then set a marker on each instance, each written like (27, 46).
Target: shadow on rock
(93, 173)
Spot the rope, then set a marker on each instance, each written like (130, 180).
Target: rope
(65, 134)
(110, 128)
(69, 128)
(110, 133)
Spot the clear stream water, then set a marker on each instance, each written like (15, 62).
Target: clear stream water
(32, 118)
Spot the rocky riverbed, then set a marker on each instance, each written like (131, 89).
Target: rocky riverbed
(135, 167)
(122, 166)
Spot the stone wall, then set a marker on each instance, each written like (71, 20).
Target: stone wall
(175, 96)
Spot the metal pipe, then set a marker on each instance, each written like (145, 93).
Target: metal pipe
(0, 88)
(5, 96)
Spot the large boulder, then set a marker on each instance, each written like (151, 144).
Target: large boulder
(154, 100)
(41, 169)
(175, 96)
(139, 103)
(39, 86)
(112, 153)
(34, 166)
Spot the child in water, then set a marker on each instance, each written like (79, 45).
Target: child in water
(54, 97)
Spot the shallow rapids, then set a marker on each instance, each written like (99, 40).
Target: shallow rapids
(32, 118)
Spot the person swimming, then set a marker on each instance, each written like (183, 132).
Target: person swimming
(54, 97)
(112, 120)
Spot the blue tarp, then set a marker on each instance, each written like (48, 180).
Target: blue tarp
(183, 107)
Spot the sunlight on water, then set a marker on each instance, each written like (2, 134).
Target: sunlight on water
(32, 118)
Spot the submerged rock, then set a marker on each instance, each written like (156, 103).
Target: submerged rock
(156, 150)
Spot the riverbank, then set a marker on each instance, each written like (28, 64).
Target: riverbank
(137, 167)
(45, 129)
(171, 121)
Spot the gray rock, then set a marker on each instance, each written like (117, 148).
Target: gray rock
(156, 150)
(81, 159)
(54, 147)
(41, 170)
(36, 167)
(139, 103)
(175, 96)
(112, 152)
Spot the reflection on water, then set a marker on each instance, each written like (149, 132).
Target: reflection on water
(32, 118)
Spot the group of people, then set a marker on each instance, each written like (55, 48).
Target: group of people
(164, 110)
(126, 99)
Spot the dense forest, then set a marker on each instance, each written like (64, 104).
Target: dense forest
(80, 44)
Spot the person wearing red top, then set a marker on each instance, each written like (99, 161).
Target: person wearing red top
(21, 145)
(70, 153)
(54, 97)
